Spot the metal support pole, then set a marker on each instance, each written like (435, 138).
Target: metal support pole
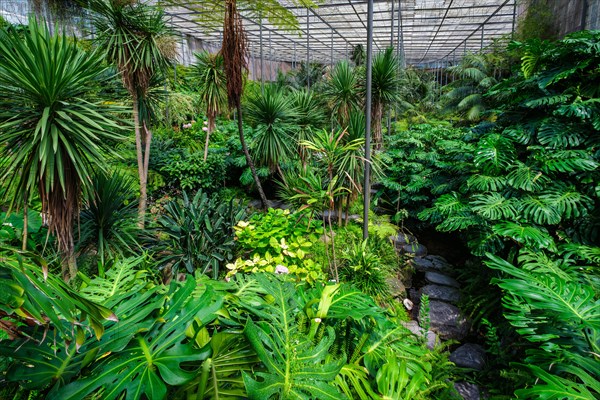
(514, 19)
(308, 48)
(270, 58)
(392, 28)
(294, 62)
(262, 77)
(367, 184)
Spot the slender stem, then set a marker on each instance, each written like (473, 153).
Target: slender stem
(261, 193)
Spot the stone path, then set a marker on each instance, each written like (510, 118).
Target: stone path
(446, 321)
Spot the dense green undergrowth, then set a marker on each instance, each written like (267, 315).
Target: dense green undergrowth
(213, 298)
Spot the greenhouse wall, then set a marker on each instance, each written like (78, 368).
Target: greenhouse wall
(575, 15)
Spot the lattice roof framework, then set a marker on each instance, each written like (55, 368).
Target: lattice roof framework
(425, 31)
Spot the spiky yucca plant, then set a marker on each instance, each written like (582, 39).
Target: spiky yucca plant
(53, 133)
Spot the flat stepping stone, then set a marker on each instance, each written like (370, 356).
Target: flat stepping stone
(468, 391)
(447, 320)
(469, 355)
(444, 293)
(415, 329)
(441, 279)
(417, 249)
(425, 264)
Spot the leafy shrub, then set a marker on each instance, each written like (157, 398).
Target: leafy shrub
(197, 234)
(189, 171)
(278, 239)
(423, 163)
(255, 337)
(362, 268)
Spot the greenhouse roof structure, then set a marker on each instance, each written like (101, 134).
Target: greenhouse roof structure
(426, 32)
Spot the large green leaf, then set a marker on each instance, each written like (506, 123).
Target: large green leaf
(574, 304)
(295, 367)
(557, 388)
(152, 359)
(220, 375)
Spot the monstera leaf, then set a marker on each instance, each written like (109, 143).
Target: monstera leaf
(30, 295)
(152, 357)
(220, 375)
(295, 368)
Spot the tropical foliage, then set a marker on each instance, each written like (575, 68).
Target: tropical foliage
(53, 131)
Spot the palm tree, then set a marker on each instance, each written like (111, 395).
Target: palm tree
(53, 134)
(384, 89)
(274, 117)
(341, 90)
(234, 47)
(475, 78)
(135, 37)
(212, 86)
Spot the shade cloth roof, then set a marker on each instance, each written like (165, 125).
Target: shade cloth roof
(424, 31)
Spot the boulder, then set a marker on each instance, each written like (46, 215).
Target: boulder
(469, 355)
(468, 391)
(403, 238)
(397, 288)
(447, 321)
(443, 293)
(441, 279)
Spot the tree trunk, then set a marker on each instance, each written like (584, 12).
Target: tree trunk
(147, 142)
(140, 161)
(377, 116)
(261, 193)
(211, 126)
